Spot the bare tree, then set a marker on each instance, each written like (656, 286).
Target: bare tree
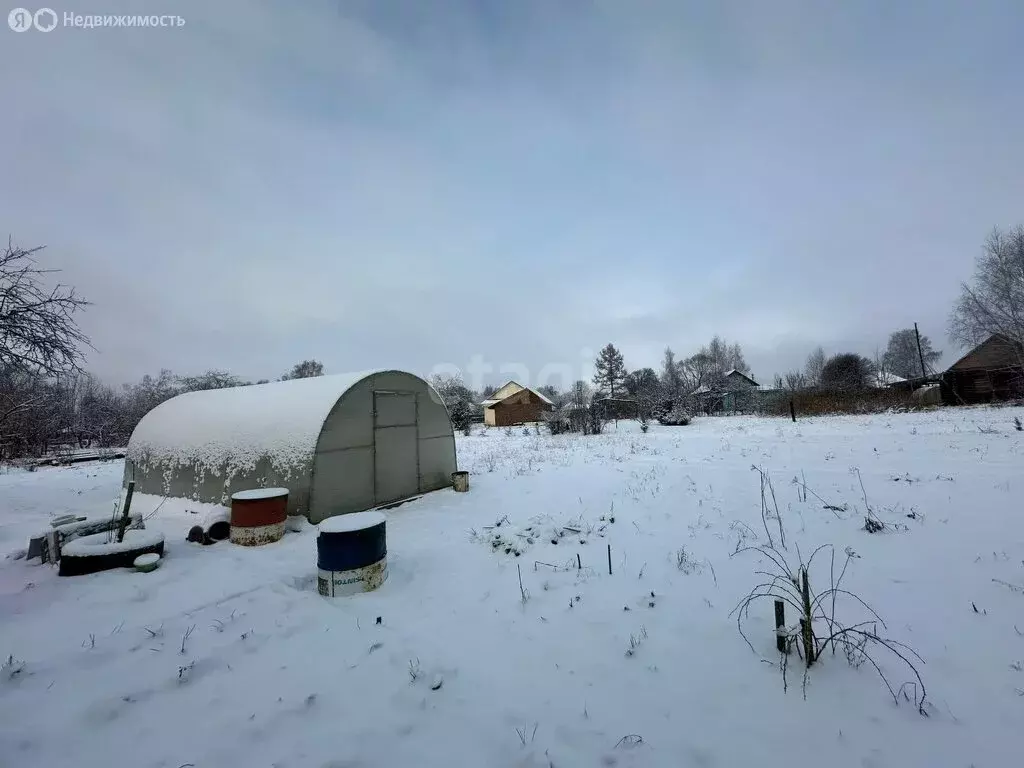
(550, 392)
(734, 360)
(579, 406)
(725, 357)
(39, 341)
(307, 369)
(212, 379)
(671, 376)
(643, 385)
(795, 381)
(708, 367)
(141, 398)
(698, 371)
(993, 303)
(814, 366)
(38, 331)
(901, 355)
(100, 414)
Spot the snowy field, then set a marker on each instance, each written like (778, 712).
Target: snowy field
(226, 656)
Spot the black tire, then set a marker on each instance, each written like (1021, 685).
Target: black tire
(80, 565)
(219, 531)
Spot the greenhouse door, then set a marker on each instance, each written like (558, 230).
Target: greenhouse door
(396, 471)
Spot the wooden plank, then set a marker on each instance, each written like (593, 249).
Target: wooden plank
(123, 523)
(47, 545)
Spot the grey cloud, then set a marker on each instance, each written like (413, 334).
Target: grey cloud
(410, 184)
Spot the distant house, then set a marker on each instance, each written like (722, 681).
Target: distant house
(736, 392)
(994, 370)
(740, 392)
(515, 404)
(739, 382)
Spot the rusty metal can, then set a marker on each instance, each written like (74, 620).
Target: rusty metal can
(258, 516)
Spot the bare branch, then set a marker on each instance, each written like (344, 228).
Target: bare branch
(38, 331)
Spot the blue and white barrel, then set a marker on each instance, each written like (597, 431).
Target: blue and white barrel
(351, 554)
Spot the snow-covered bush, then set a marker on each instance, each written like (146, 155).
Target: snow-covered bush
(676, 416)
(556, 420)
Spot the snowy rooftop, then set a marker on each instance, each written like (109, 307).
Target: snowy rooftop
(884, 379)
(491, 401)
(541, 396)
(281, 419)
(734, 372)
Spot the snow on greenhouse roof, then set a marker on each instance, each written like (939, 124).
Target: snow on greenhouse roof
(280, 420)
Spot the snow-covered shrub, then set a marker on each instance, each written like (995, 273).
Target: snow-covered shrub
(676, 416)
(556, 421)
(461, 415)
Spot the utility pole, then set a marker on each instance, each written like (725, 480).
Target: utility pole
(920, 354)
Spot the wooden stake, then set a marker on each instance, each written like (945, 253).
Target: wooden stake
(780, 622)
(805, 623)
(124, 512)
(920, 354)
(609, 559)
(792, 410)
(579, 563)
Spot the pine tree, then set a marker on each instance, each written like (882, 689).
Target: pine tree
(609, 371)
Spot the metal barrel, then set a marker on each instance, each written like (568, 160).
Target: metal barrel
(351, 553)
(460, 481)
(258, 516)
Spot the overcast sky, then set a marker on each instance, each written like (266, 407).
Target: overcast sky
(414, 184)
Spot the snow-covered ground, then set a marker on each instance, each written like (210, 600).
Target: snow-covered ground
(228, 656)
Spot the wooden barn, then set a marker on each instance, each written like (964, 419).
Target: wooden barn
(515, 404)
(994, 370)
